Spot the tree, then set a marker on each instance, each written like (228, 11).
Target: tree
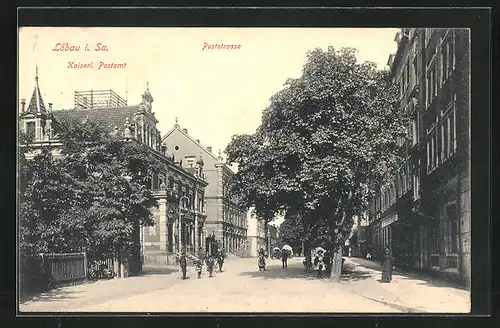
(292, 232)
(90, 198)
(325, 140)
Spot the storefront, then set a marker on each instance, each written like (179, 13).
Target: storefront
(387, 230)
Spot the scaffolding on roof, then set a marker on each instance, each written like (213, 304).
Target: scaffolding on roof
(98, 99)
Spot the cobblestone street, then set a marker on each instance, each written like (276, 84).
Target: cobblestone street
(242, 288)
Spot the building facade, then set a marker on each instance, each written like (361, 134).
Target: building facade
(272, 234)
(423, 214)
(260, 235)
(226, 219)
(256, 235)
(179, 190)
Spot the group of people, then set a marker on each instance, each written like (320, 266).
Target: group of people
(213, 263)
(284, 254)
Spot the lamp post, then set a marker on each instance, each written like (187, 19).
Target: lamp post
(180, 222)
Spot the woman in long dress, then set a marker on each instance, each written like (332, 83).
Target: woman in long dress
(387, 266)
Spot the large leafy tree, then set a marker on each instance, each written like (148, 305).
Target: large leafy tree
(292, 232)
(90, 197)
(325, 142)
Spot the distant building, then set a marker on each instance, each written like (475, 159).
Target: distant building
(260, 235)
(256, 235)
(424, 213)
(138, 123)
(273, 235)
(226, 219)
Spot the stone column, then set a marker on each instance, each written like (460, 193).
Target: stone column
(162, 211)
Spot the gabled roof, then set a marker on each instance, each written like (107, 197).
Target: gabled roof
(178, 128)
(109, 117)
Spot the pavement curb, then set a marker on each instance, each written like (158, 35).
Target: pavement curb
(393, 305)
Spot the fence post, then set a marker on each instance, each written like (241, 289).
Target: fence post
(85, 264)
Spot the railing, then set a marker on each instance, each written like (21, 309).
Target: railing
(101, 269)
(62, 268)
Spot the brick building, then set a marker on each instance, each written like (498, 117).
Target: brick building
(137, 123)
(226, 219)
(424, 213)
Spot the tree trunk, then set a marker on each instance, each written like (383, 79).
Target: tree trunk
(336, 270)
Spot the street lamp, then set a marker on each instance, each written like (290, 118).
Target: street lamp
(180, 222)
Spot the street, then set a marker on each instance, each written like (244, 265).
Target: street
(242, 288)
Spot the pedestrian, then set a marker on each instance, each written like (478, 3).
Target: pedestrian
(308, 262)
(183, 264)
(210, 262)
(220, 260)
(262, 260)
(387, 266)
(318, 262)
(284, 259)
(327, 260)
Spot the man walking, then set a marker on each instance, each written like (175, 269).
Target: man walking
(183, 264)
(284, 259)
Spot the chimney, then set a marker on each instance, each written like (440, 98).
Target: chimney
(185, 130)
(23, 105)
(209, 149)
(50, 107)
(198, 141)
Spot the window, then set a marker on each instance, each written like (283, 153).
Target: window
(435, 82)
(432, 82)
(432, 152)
(403, 178)
(444, 62)
(414, 129)
(398, 184)
(416, 182)
(429, 86)
(414, 71)
(408, 174)
(448, 132)
(409, 130)
(393, 191)
(170, 183)
(434, 242)
(155, 179)
(30, 129)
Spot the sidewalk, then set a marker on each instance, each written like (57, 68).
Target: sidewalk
(407, 291)
(101, 291)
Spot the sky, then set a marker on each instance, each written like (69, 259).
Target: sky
(214, 93)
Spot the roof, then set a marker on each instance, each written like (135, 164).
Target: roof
(177, 128)
(110, 117)
(36, 104)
